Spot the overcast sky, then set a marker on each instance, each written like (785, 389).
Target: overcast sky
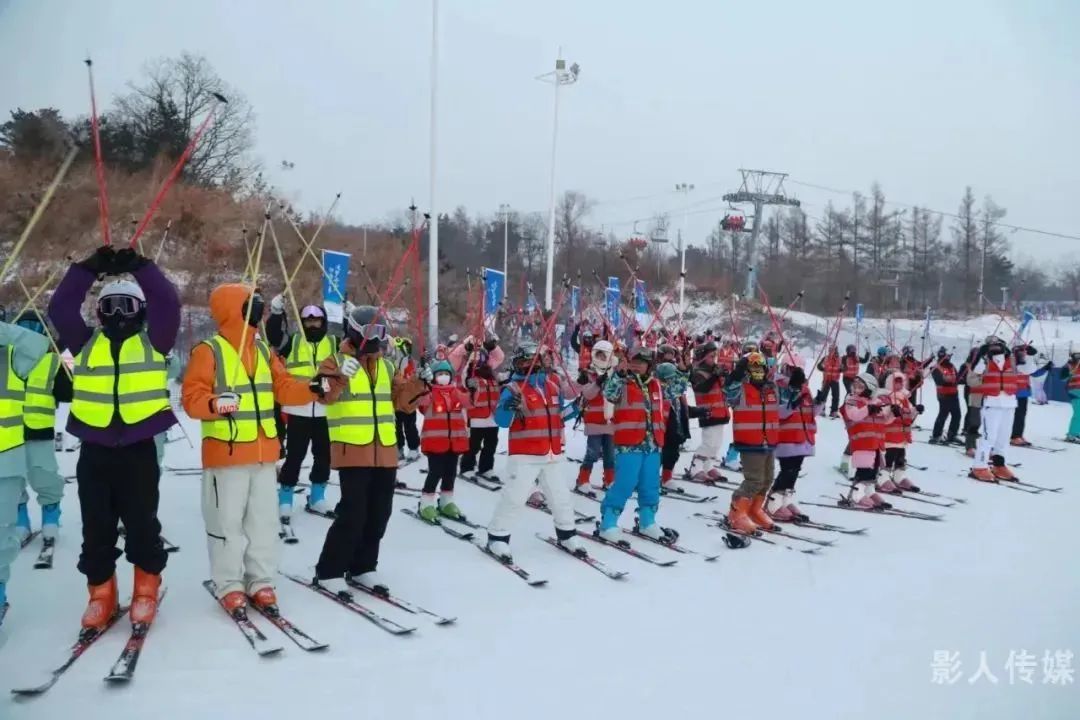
(924, 97)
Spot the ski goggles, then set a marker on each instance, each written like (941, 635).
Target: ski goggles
(32, 324)
(312, 311)
(372, 332)
(124, 305)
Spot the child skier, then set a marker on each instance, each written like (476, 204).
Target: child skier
(483, 432)
(1071, 374)
(865, 417)
(850, 366)
(946, 381)
(795, 440)
(677, 425)
(1025, 368)
(598, 431)
(443, 437)
(998, 392)
(707, 380)
(755, 404)
(898, 433)
(831, 369)
(405, 415)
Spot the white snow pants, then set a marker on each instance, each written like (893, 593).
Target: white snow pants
(239, 506)
(524, 471)
(712, 440)
(994, 435)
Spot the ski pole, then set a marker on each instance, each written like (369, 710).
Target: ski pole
(306, 243)
(44, 325)
(164, 237)
(40, 209)
(285, 276)
(99, 162)
(254, 286)
(48, 281)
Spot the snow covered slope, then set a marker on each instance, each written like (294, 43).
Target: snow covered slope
(851, 633)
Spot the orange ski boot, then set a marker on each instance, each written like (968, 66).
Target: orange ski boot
(264, 598)
(102, 606)
(758, 514)
(738, 517)
(144, 599)
(1002, 472)
(234, 601)
(982, 474)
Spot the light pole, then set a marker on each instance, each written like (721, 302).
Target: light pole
(561, 75)
(685, 189)
(433, 232)
(504, 210)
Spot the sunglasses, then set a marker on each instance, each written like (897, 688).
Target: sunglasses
(119, 305)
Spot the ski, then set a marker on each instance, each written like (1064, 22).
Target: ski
(448, 530)
(328, 515)
(45, 557)
(882, 511)
(585, 558)
(624, 546)
(29, 538)
(346, 601)
(782, 533)
(924, 493)
(86, 639)
(829, 528)
(486, 484)
(906, 496)
(722, 483)
(510, 565)
(542, 507)
(1040, 488)
(407, 492)
(759, 535)
(402, 604)
(675, 546)
(463, 520)
(1041, 448)
(680, 494)
(286, 532)
(259, 643)
(589, 494)
(123, 670)
(273, 614)
(169, 547)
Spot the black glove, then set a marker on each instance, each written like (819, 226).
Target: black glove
(468, 347)
(983, 349)
(739, 372)
(1030, 350)
(798, 377)
(583, 378)
(919, 409)
(318, 385)
(128, 261)
(622, 374)
(896, 409)
(100, 262)
(873, 409)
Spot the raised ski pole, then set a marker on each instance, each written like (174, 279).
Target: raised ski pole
(254, 287)
(99, 162)
(161, 245)
(834, 334)
(285, 276)
(44, 324)
(309, 244)
(37, 293)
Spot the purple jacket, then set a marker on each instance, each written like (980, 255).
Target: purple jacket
(162, 325)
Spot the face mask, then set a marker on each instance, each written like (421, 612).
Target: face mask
(121, 327)
(257, 308)
(490, 345)
(442, 379)
(314, 334)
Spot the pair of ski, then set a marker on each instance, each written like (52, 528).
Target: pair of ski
(579, 516)
(766, 535)
(123, 670)
(843, 504)
(908, 495)
(1040, 448)
(1029, 488)
(481, 481)
(261, 644)
(621, 545)
(451, 531)
(674, 493)
(391, 626)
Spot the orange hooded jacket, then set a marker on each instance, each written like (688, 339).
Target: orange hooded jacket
(226, 307)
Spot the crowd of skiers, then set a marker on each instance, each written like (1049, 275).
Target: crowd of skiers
(266, 395)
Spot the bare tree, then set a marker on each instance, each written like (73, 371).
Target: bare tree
(569, 226)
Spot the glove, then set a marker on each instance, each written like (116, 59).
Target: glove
(919, 409)
(874, 409)
(349, 367)
(471, 383)
(128, 261)
(896, 409)
(226, 403)
(100, 261)
(583, 378)
(425, 374)
(277, 304)
(622, 373)
(798, 377)
(319, 385)
(513, 403)
(1030, 350)
(469, 346)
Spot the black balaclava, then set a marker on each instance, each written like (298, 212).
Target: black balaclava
(314, 334)
(120, 327)
(257, 307)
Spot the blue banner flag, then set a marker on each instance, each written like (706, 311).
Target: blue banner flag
(335, 281)
(641, 301)
(613, 296)
(575, 301)
(1025, 320)
(858, 313)
(494, 285)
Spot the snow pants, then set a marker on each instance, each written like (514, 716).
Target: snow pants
(239, 508)
(758, 469)
(994, 437)
(832, 388)
(634, 471)
(483, 441)
(599, 447)
(524, 472)
(406, 430)
(11, 489)
(712, 439)
(972, 427)
(948, 408)
(352, 542)
(119, 484)
(1019, 417)
(789, 473)
(442, 471)
(300, 432)
(1074, 423)
(42, 472)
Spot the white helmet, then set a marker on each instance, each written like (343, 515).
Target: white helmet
(122, 287)
(607, 349)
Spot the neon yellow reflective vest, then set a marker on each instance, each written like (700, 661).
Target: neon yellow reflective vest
(256, 395)
(362, 409)
(303, 362)
(138, 385)
(12, 392)
(39, 412)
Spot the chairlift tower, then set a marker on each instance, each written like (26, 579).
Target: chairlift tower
(761, 188)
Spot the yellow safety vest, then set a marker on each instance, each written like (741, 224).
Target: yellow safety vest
(39, 412)
(12, 392)
(256, 395)
(139, 386)
(302, 361)
(360, 409)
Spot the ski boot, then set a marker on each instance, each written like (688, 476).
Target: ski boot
(336, 585)
(582, 483)
(265, 599)
(50, 521)
(1075, 439)
(731, 459)
(1000, 470)
(845, 465)
(486, 475)
(888, 487)
(102, 606)
(739, 518)
(665, 478)
(834, 414)
(428, 512)
(412, 455)
(778, 509)
(936, 440)
(22, 524)
(795, 510)
(1019, 442)
(401, 455)
(982, 474)
(758, 514)
(235, 603)
(647, 526)
(907, 485)
(608, 529)
(537, 499)
(713, 475)
(371, 581)
(144, 599)
(499, 546)
(448, 508)
(317, 499)
(569, 540)
(284, 499)
(609, 477)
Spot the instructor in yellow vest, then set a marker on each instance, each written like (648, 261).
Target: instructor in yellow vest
(239, 446)
(120, 401)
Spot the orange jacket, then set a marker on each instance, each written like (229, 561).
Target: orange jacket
(226, 307)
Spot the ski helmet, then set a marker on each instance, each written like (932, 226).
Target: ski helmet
(869, 382)
(362, 330)
(850, 350)
(525, 355)
(907, 351)
(642, 354)
(756, 365)
(666, 372)
(882, 351)
(667, 353)
(121, 308)
(603, 356)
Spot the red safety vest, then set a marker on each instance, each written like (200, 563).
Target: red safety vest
(757, 416)
(898, 430)
(633, 411)
(865, 434)
(539, 428)
(445, 428)
(1023, 381)
(715, 401)
(948, 387)
(851, 366)
(484, 399)
(725, 358)
(1074, 376)
(584, 358)
(999, 382)
(831, 368)
(892, 363)
(800, 426)
(910, 367)
(593, 413)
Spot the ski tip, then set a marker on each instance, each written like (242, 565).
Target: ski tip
(537, 583)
